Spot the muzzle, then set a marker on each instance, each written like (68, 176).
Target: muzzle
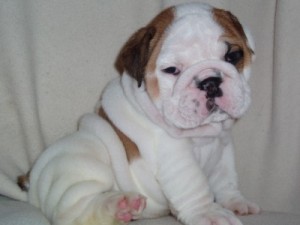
(207, 76)
(202, 89)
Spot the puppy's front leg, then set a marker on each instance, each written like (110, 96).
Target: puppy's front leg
(187, 189)
(224, 183)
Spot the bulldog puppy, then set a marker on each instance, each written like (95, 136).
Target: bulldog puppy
(159, 142)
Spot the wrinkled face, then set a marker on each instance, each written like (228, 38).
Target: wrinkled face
(196, 65)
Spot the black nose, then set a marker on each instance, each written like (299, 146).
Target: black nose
(212, 87)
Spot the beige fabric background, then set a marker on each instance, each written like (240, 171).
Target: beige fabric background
(56, 56)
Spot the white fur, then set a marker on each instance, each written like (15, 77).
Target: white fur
(185, 168)
(194, 37)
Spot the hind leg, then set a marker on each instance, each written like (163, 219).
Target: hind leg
(112, 208)
(125, 207)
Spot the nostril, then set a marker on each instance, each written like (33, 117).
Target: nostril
(212, 87)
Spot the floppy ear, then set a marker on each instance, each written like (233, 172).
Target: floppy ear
(135, 54)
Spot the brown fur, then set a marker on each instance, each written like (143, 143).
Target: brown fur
(141, 50)
(152, 86)
(234, 35)
(138, 57)
(131, 149)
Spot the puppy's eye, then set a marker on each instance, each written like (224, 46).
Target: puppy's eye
(171, 70)
(233, 55)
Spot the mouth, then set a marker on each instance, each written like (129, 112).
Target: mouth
(211, 105)
(215, 112)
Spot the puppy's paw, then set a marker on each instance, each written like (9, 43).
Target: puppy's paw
(220, 216)
(241, 206)
(126, 206)
(216, 215)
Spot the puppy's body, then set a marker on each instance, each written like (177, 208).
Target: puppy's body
(162, 144)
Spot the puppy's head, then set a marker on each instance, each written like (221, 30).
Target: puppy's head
(193, 61)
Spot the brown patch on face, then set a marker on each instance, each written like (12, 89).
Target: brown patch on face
(138, 56)
(134, 56)
(234, 36)
(152, 86)
(131, 149)
(161, 22)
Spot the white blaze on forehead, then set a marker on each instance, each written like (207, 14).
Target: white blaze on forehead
(193, 8)
(193, 36)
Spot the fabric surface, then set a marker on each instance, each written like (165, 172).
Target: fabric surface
(14, 212)
(266, 218)
(20, 213)
(56, 57)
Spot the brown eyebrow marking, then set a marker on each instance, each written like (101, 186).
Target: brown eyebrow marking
(234, 35)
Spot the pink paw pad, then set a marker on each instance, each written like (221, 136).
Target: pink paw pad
(130, 207)
(137, 204)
